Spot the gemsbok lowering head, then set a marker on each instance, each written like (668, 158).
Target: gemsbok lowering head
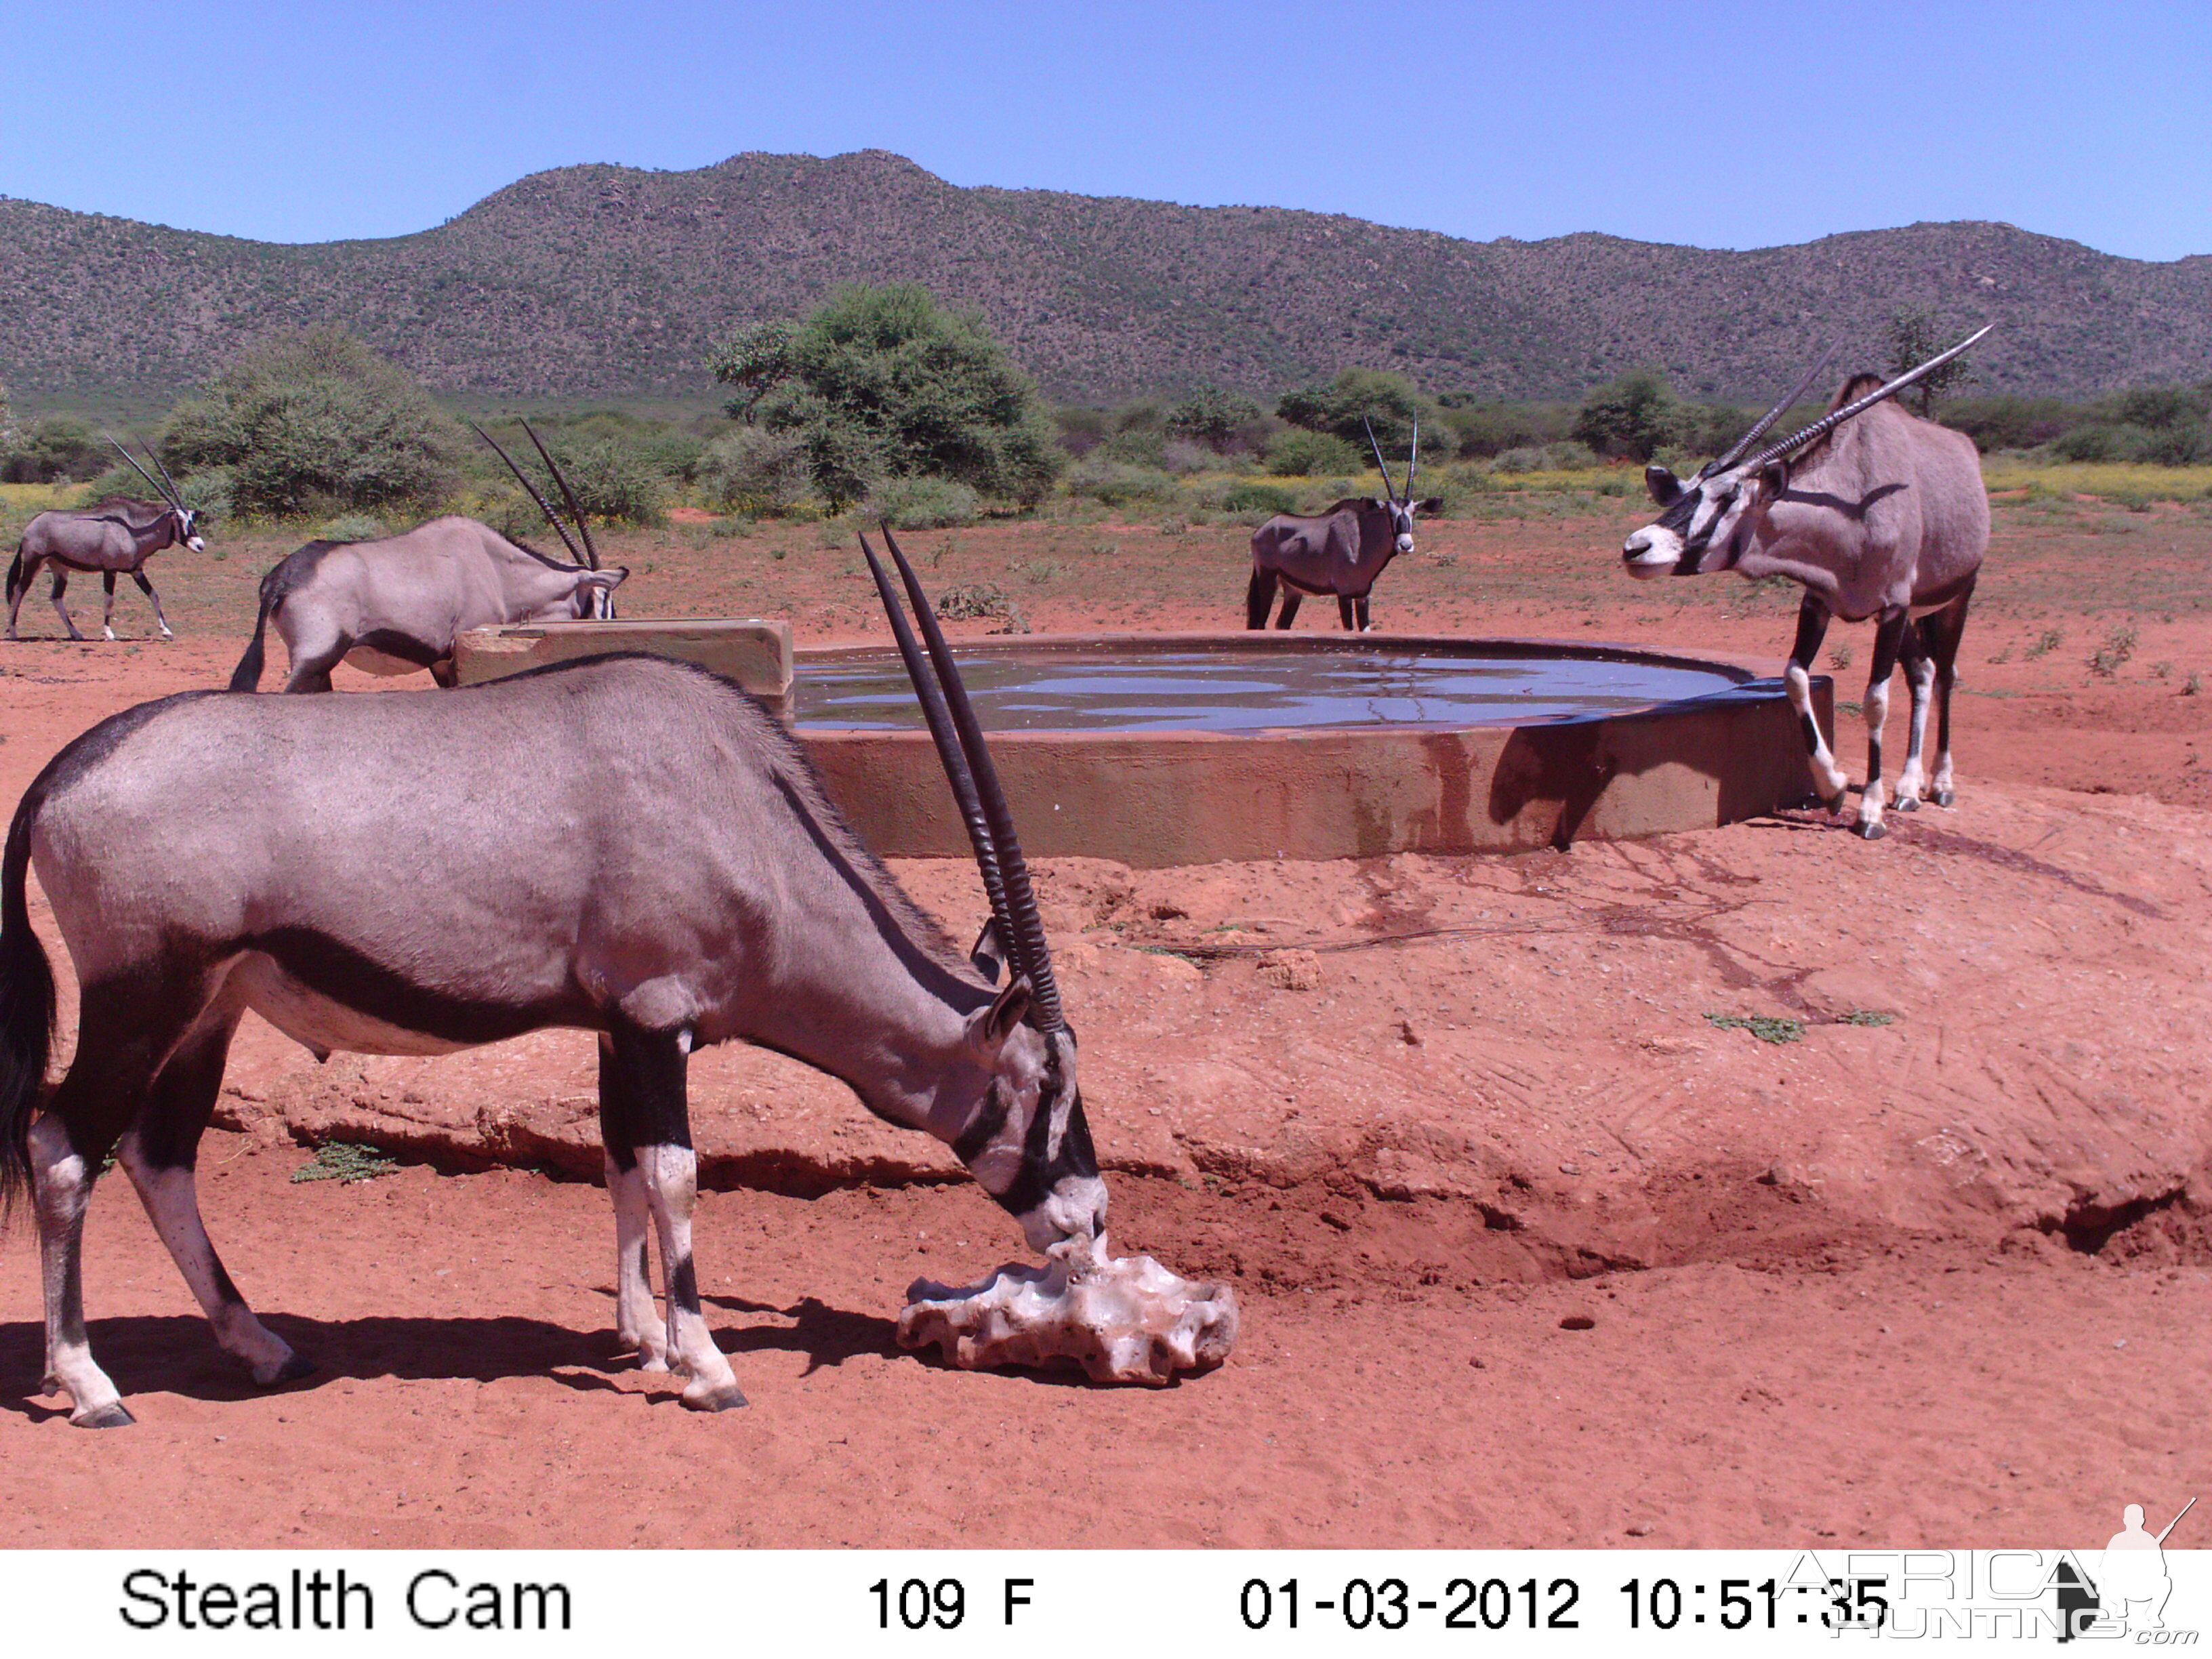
(355, 881)
(1876, 515)
(1340, 551)
(398, 605)
(114, 537)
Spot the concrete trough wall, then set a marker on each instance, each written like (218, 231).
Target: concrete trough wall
(1154, 799)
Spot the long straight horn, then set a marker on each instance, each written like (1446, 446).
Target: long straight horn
(1829, 422)
(523, 478)
(931, 695)
(1378, 448)
(176, 495)
(1759, 427)
(1413, 459)
(1025, 936)
(583, 524)
(150, 482)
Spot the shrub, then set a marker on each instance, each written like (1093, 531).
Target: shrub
(1632, 415)
(1264, 499)
(612, 480)
(352, 527)
(921, 503)
(1296, 452)
(1213, 417)
(1136, 447)
(752, 470)
(1115, 483)
(1387, 402)
(313, 421)
(57, 448)
(1184, 455)
(883, 383)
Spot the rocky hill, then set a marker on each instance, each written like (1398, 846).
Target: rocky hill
(606, 282)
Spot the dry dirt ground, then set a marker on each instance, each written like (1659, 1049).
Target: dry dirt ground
(1532, 1252)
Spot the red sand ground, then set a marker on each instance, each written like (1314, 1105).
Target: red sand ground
(1942, 1281)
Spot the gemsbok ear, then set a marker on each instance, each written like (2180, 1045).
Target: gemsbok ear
(1666, 489)
(1430, 504)
(989, 1028)
(988, 953)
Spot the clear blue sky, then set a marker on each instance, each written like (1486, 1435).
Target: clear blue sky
(1718, 124)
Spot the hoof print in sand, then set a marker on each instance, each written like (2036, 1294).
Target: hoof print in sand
(1121, 1319)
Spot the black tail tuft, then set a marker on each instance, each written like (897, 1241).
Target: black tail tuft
(246, 676)
(16, 583)
(27, 1007)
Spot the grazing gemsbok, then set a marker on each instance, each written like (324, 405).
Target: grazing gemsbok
(398, 605)
(114, 537)
(355, 880)
(1340, 551)
(1878, 514)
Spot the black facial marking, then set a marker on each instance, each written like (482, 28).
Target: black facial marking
(990, 1118)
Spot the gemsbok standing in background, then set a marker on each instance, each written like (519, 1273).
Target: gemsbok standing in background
(114, 537)
(398, 605)
(621, 845)
(1340, 551)
(1876, 514)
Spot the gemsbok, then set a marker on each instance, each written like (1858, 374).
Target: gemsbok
(114, 537)
(1875, 513)
(399, 604)
(622, 845)
(1340, 551)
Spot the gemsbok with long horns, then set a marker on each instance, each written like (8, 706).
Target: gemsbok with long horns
(1340, 551)
(114, 537)
(400, 604)
(356, 880)
(1877, 514)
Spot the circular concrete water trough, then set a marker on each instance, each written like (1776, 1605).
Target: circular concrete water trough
(1158, 750)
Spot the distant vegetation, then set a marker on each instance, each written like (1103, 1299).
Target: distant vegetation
(883, 402)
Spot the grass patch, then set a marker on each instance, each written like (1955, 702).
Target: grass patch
(344, 1160)
(1766, 1028)
(2048, 641)
(1866, 1016)
(2112, 655)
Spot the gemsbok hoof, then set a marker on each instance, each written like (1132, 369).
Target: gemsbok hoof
(1905, 804)
(726, 1398)
(1874, 831)
(1833, 803)
(113, 1415)
(295, 1368)
(1942, 798)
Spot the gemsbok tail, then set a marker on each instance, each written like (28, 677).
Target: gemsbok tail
(27, 1007)
(246, 676)
(15, 574)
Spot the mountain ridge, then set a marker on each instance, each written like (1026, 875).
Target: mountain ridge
(600, 281)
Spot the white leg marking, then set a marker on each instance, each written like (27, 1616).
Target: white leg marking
(636, 1322)
(1827, 777)
(1877, 716)
(59, 1192)
(1910, 782)
(670, 1176)
(172, 1202)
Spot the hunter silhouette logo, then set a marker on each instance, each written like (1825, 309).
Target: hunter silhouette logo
(2130, 1584)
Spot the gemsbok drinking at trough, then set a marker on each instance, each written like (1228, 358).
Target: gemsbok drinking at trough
(1876, 514)
(398, 605)
(114, 537)
(356, 880)
(1340, 551)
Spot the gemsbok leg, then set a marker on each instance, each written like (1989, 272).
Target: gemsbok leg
(107, 606)
(1292, 599)
(1259, 598)
(60, 587)
(1890, 632)
(647, 1126)
(146, 588)
(637, 1325)
(1942, 631)
(150, 1082)
(1828, 779)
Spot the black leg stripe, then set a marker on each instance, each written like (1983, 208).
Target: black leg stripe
(683, 1286)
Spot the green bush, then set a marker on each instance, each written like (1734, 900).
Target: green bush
(1264, 498)
(921, 503)
(1296, 452)
(1115, 483)
(612, 480)
(752, 470)
(1136, 447)
(57, 448)
(352, 527)
(883, 383)
(1389, 403)
(1214, 417)
(311, 421)
(1632, 415)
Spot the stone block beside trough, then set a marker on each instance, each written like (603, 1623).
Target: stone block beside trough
(755, 653)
